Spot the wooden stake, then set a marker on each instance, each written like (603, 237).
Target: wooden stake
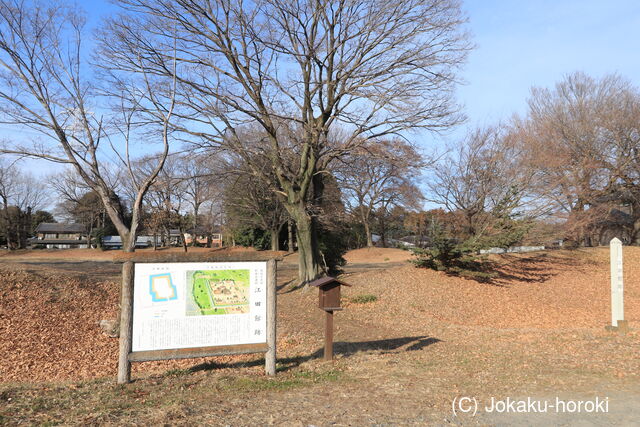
(328, 335)
(126, 323)
(270, 356)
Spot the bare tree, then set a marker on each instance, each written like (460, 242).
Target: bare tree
(252, 202)
(482, 179)
(165, 202)
(301, 71)
(68, 186)
(211, 218)
(78, 202)
(46, 87)
(20, 195)
(8, 181)
(378, 176)
(203, 177)
(581, 139)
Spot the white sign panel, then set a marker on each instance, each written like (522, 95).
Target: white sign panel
(617, 286)
(185, 305)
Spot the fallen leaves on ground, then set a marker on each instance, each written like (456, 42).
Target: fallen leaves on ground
(427, 338)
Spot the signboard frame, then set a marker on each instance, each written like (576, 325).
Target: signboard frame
(127, 356)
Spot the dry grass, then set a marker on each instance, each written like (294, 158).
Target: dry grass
(427, 338)
(377, 255)
(562, 289)
(97, 254)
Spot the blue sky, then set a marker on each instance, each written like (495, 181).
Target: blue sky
(520, 44)
(531, 42)
(534, 43)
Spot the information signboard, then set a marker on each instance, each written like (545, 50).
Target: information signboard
(196, 305)
(191, 305)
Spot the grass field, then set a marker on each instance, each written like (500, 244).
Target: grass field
(201, 293)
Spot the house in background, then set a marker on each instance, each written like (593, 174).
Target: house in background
(175, 239)
(115, 242)
(204, 237)
(60, 236)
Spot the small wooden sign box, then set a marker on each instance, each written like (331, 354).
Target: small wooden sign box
(329, 301)
(126, 355)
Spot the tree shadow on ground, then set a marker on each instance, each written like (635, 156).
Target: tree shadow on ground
(506, 270)
(288, 286)
(538, 268)
(340, 348)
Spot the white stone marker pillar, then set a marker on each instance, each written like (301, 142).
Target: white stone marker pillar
(617, 300)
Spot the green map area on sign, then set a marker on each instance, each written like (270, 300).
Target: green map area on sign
(217, 292)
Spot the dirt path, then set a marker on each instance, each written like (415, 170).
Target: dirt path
(609, 406)
(90, 270)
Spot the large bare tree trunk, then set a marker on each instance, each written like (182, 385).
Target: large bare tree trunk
(89, 238)
(364, 218)
(128, 242)
(7, 222)
(367, 232)
(309, 267)
(194, 238)
(275, 239)
(383, 231)
(183, 239)
(21, 229)
(290, 236)
(635, 231)
(7, 225)
(7, 232)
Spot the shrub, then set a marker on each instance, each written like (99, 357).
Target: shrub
(252, 237)
(453, 258)
(333, 244)
(363, 299)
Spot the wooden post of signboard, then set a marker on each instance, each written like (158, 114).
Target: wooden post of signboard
(126, 323)
(328, 335)
(270, 356)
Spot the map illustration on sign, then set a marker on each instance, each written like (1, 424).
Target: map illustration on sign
(161, 288)
(217, 292)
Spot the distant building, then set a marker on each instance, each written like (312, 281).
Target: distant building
(60, 236)
(115, 242)
(203, 237)
(175, 237)
(411, 242)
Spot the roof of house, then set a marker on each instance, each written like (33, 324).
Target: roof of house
(60, 227)
(35, 241)
(203, 230)
(117, 241)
